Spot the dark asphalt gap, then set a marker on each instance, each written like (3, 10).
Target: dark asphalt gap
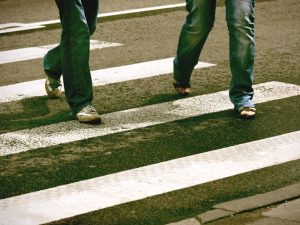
(48, 25)
(63, 164)
(33, 13)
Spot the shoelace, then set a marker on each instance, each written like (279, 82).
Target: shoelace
(54, 83)
(90, 109)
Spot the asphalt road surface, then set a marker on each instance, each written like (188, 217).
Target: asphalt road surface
(158, 158)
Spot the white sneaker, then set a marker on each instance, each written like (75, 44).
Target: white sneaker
(88, 115)
(53, 87)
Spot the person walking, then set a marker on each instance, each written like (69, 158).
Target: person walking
(199, 22)
(71, 58)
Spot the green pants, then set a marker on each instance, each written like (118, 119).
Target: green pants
(240, 23)
(71, 57)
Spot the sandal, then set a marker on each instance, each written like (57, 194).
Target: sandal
(182, 89)
(247, 112)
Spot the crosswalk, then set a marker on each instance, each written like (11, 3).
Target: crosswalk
(88, 195)
(98, 193)
(35, 88)
(65, 132)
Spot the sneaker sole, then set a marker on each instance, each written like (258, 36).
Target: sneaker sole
(90, 121)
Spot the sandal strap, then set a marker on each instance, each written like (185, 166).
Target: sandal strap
(247, 108)
(179, 85)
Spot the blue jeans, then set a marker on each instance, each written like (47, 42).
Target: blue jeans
(240, 23)
(71, 57)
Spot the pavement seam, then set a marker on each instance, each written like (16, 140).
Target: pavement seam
(226, 209)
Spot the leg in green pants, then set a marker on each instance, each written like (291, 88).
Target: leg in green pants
(71, 57)
(240, 23)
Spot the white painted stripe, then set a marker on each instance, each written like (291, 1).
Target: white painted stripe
(142, 10)
(7, 28)
(23, 54)
(35, 88)
(65, 132)
(127, 186)
(19, 28)
(10, 25)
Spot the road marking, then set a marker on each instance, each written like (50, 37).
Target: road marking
(136, 184)
(16, 27)
(141, 11)
(116, 122)
(23, 54)
(10, 25)
(35, 88)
